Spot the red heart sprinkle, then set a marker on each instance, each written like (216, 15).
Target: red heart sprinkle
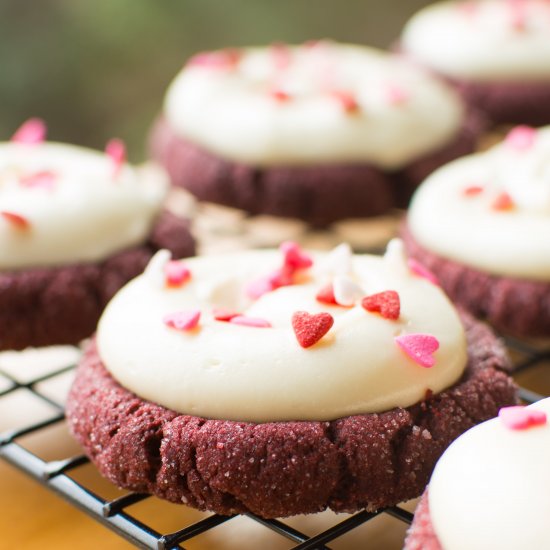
(176, 273)
(309, 329)
(503, 202)
(31, 132)
(346, 100)
(183, 320)
(326, 295)
(18, 221)
(521, 418)
(386, 303)
(419, 347)
(280, 95)
(221, 314)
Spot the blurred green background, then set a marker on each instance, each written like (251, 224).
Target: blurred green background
(94, 69)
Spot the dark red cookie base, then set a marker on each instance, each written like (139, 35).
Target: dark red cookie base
(518, 307)
(509, 102)
(319, 195)
(61, 305)
(279, 469)
(421, 534)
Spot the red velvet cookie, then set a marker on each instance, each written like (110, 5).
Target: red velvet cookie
(75, 226)
(320, 132)
(496, 53)
(480, 225)
(227, 438)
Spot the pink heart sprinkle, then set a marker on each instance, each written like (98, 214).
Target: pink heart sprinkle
(31, 132)
(250, 321)
(259, 287)
(44, 179)
(294, 256)
(281, 56)
(280, 95)
(396, 95)
(472, 190)
(183, 320)
(116, 151)
(521, 138)
(518, 14)
(418, 269)
(521, 418)
(419, 347)
(176, 273)
(224, 59)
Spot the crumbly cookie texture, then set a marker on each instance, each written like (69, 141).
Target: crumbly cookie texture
(282, 468)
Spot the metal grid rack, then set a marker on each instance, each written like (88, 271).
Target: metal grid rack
(117, 514)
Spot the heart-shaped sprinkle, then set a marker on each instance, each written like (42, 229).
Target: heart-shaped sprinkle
(418, 269)
(280, 55)
(326, 295)
(386, 303)
(176, 273)
(259, 287)
(221, 314)
(518, 14)
(346, 100)
(521, 138)
(396, 95)
(44, 179)
(116, 151)
(521, 418)
(346, 291)
(503, 202)
(472, 190)
(294, 257)
(419, 347)
(224, 59)
(280, 95)
(183, 320)
(16, 220)
(309, 329)
(246, 321)
(31, 132)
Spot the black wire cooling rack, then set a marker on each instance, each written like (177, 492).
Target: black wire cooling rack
(118, 514)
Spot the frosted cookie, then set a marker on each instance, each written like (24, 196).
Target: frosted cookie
(75, 226)
(282, 383)
(480, 225)
(490, 488)
(320, 132)
(497, 53)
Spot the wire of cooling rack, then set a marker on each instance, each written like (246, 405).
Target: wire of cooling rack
(117, 514)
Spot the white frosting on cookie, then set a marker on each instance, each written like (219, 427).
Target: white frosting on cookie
(469, 229)
(284, 106)
(490, 488)
(483, 40)
(77, 207)
(223, 370)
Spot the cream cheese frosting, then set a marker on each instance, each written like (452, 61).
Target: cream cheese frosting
(260, 372)
(490, 488)
(316, 103)
(459, 212)
(483, 40)
(64, 204)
